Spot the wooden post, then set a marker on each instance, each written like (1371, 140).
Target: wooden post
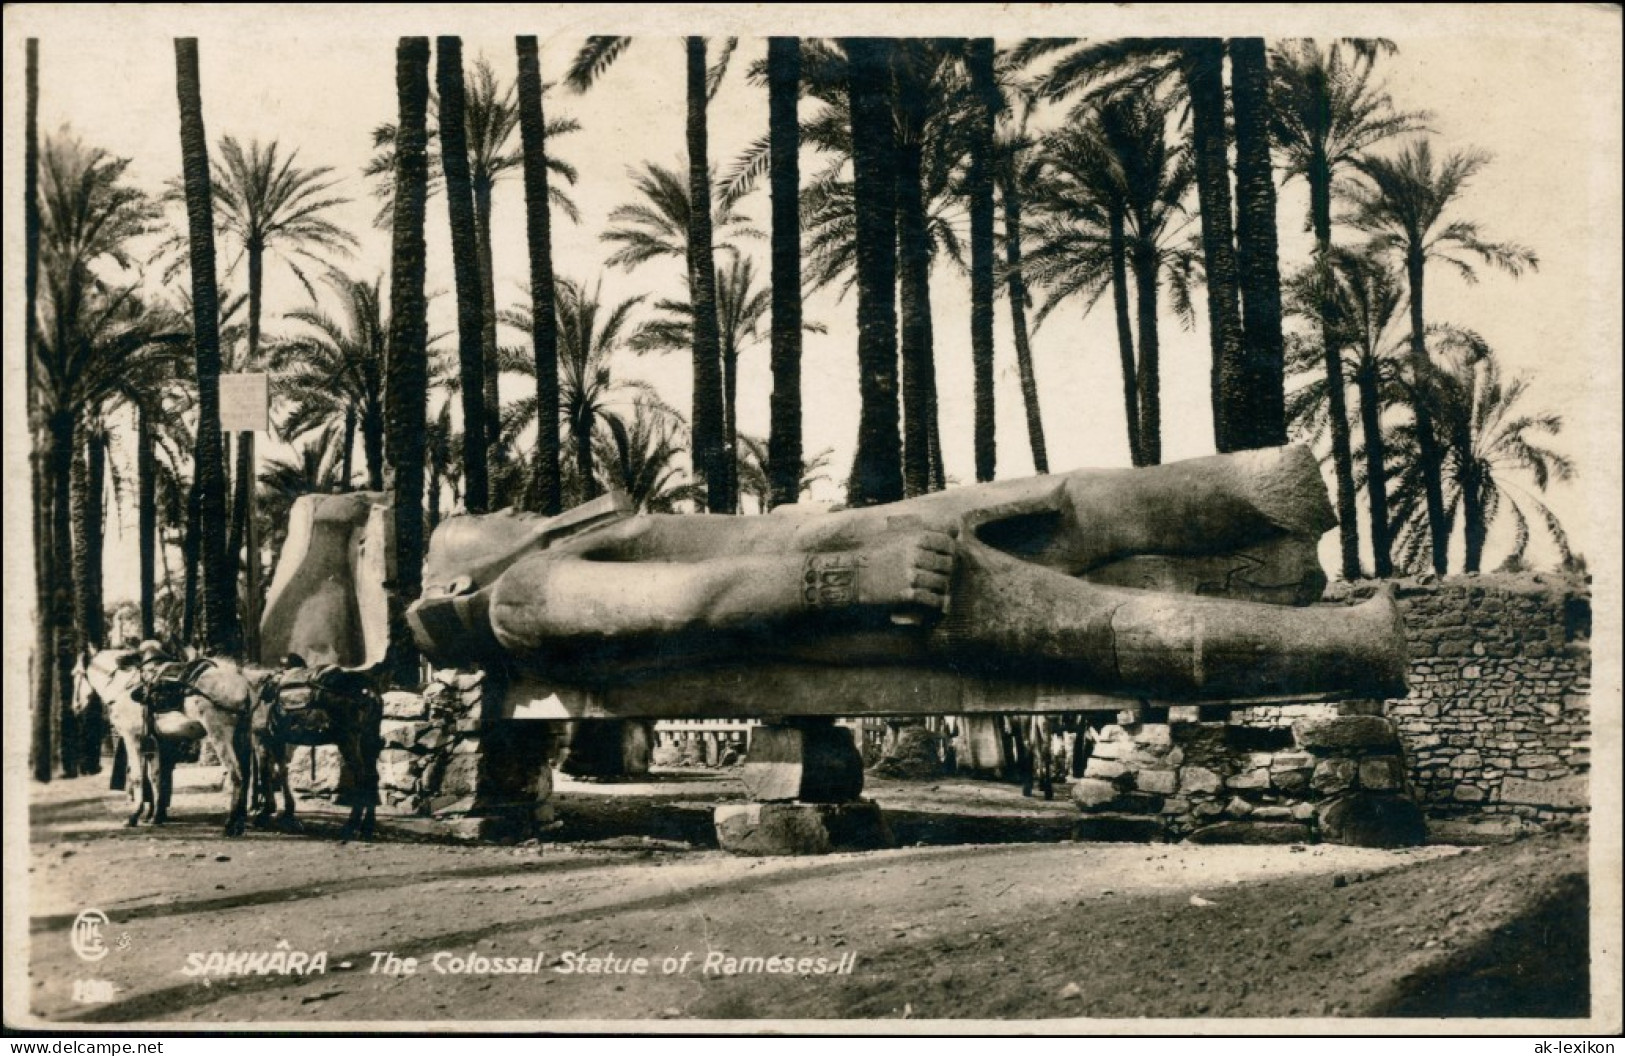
(251, 532)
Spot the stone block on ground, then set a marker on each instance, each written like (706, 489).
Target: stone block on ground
(815, 763)
(1252, 832)
(1382, 773)
(1092, 794)
(1197, 779)
(1334, 775)
(801, 828)
(400, 733)
(315, 770)
(398, 769)
(1564, 793)
(1157, 782)
(1346, 733)
(399, 704)
(1120, 828)
(1372, 819)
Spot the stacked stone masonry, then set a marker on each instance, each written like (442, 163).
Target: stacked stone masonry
(1498, 719)
(430, 759)
(1497, 722)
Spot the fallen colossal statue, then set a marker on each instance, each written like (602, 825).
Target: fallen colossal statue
(1186, 582)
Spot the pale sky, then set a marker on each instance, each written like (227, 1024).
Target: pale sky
(1540, 89)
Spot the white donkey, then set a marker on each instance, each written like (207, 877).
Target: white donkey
(218, 697)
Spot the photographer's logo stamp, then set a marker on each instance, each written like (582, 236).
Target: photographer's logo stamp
(87, 938)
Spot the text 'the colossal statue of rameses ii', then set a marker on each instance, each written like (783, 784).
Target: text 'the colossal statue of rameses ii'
(1185, 582)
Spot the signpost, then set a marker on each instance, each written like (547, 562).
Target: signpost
(245, 409)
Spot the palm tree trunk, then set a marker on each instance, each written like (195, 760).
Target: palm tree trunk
(347, 463)
(40, 665)
(1474, 528)
(60, 478)
(407, 387)
(1017, 289)
(146, 474)
(581, 440)
(539, 240)
(1150, 375)
(877, 470)
(372, 441)
(1204, 75)
(497, 455)
(241, 481)
(914, 297)
(220, 633)
(979, 56)
(1348, 528)
(1426, 441)
(730, 419)
(1117, 238)
(89, 489)
(191, 554)
(709, 456)
(1376, 483)
(784, 187)
(933, 424)
(474, 360)
(1263, 424)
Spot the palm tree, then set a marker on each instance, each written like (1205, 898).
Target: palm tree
(407, 385)
(928, 114)
(313, 469)
(877, 472)
(490, 117)
(709, 464)
(1081, 230)
(545, 494)
(1326, 112)
(41, 665)
(1016, 171)
(1356, 315)
(1402, 206)
(753, 471)
(1110, 200)
(1486, 441)
(987, 102)
(784, 135)
(655, 225)
(220, 630)
(742, 307)
(1246, 394)
(589, 337)
(641, 456)
(471, 355)
(1263, 422)
(337, 371)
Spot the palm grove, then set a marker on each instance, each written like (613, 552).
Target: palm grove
(1138, 176)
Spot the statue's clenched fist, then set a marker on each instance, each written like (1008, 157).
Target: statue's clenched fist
(910, 570)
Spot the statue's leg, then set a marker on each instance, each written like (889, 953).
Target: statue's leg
(1201, 506)
(1014, 619)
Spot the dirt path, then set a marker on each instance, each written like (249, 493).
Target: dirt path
(999, 930)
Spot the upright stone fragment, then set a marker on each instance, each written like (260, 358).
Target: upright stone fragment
(813, 761)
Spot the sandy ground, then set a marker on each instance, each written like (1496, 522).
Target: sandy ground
(988, 910)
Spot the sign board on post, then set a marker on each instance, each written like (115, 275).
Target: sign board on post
(245, 403)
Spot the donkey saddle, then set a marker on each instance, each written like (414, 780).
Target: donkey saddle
(167, 685)
(304, 705)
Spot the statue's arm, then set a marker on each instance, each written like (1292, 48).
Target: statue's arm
(555, 597)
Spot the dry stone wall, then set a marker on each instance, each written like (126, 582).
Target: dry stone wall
(1498, 719)
(430, 760)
